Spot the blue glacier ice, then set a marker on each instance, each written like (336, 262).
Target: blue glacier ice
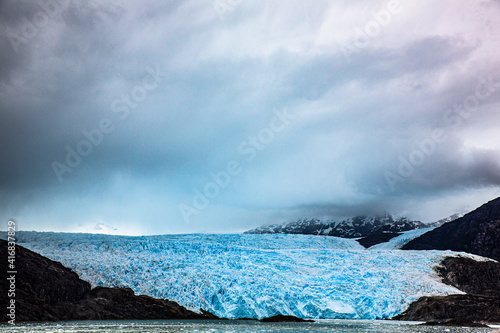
(245, 275)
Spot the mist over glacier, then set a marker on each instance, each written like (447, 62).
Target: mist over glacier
(255, 276)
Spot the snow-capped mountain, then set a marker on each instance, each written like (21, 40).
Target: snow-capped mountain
(359, 226)
(446, 220)
(254, 276)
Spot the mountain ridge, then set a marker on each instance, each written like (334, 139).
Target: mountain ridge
(477, 232)
(355, 227)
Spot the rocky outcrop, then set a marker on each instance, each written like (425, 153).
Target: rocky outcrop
(39, 285)
(439, 308)
(477, 232)
(45, 290)
(481, 282)
(121, 303)
(285, 319)
(471, 276)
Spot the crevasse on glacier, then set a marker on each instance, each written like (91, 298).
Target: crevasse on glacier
(253, 276)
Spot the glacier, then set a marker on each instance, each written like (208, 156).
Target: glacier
(253, 276)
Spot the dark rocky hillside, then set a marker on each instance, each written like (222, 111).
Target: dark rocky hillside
(470, 276)
(477, 232)
(45, 290)
(481, 282)
(443, 308)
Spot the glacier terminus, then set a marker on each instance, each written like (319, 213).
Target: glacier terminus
(255, 275)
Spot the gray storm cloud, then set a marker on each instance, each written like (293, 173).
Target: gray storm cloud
(131, 114)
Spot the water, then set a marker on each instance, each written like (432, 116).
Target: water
(235, 326)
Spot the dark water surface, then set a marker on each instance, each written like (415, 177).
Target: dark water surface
(235, 326)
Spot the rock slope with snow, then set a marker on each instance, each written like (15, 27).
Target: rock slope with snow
(477, 232)
(359, 226)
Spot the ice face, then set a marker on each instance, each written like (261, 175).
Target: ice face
(253, 276)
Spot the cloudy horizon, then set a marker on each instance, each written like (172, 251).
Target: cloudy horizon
(220, 116)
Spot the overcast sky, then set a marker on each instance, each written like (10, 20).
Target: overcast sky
(151, 117)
